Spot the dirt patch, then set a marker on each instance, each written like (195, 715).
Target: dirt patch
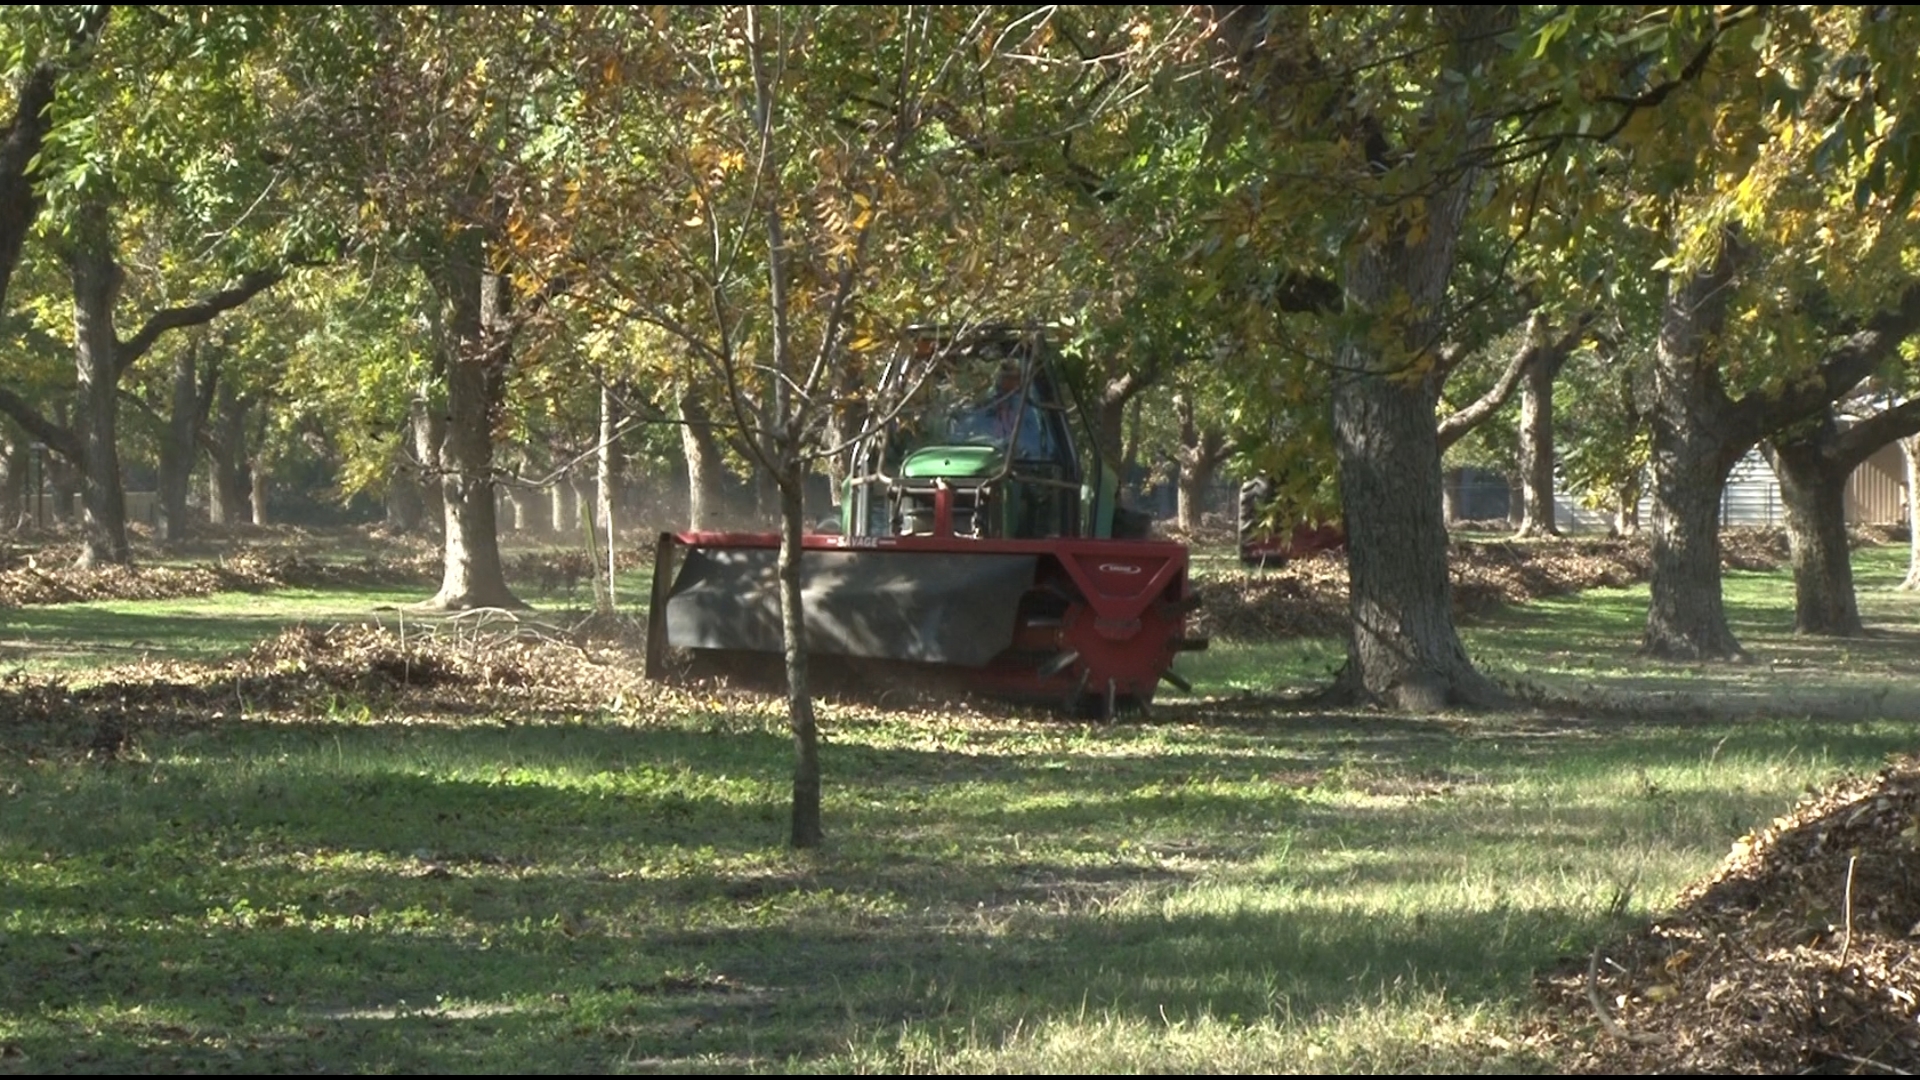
(1797, 956)
(1308, 597)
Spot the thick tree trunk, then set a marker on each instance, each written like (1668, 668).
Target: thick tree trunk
(20, 145)
(706, 469)
(227, 483)
(1111, 416)
(96, 285)
(1697, 438)
(1910, 453)
(766, 500)
(1536, 445)
(560, 503)
(179, 448)
(1686, 618)
(1130, 453)
(1813, 487)
(475, 338)
(1403, 650)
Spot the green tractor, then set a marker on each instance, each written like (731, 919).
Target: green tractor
(980, 535)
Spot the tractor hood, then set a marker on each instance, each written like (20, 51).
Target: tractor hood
(960, 462)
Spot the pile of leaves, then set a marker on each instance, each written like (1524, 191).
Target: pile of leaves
(1305, 598)
(1797, 956)
(48, 576)
(1308, 597)
(35, 581)
(505, 667)
(304, 571)
(501, 662)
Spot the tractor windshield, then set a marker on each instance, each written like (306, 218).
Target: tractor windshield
(989, 404)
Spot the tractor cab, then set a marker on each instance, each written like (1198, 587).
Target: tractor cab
(989, 451)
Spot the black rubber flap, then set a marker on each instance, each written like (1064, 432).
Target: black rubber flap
(947, 608)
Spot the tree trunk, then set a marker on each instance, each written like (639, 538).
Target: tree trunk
(475, 340)
(179, 447)
(227, 484)
(767, 499)
(842, 427)
(1196, 479)
(1200, 452)
(525, 519)
(20, 145)
(13, 480)
(1813, 487)
(63, 490)
(1403, 650)
(560, 504)
(1626, 508)
(257, 491)
(1451, 481)
(1536, 445)
(1910, 453)
(406, 501)
(96, 285)
(706, 469)
(1696, 442)
(1686, 618)
(606, 478)
(428, 425)
(806, 825)
(1111, 417)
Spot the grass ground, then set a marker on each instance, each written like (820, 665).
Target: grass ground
(408, 882)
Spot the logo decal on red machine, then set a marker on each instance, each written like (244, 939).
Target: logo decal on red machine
(1118, 568)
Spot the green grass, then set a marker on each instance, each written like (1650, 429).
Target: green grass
(363, 886)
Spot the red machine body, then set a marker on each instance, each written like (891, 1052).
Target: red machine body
(1090, 625)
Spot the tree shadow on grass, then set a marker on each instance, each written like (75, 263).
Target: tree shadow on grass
(286, 997)
(587, 896)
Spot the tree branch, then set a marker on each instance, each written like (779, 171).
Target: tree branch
(1861, 441)
(1852, 359)
(1537, 351)
(204, 311)
(60, 440)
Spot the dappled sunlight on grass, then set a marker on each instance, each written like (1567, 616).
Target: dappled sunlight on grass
(441, 881)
